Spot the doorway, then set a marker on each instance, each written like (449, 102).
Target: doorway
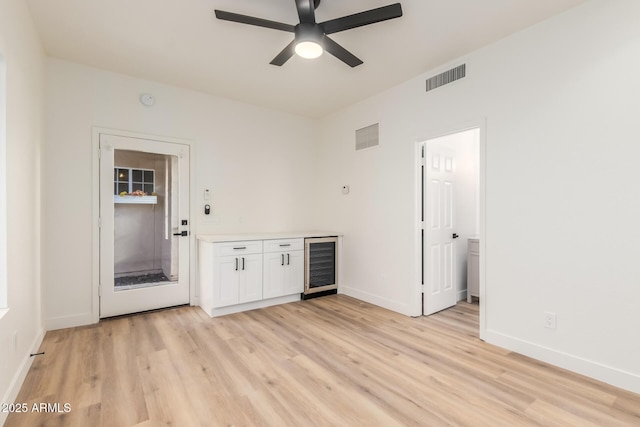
(144, 225)
(450, 215)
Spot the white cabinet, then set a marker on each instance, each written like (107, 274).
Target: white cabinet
(242, 275)
(230, 273)
(473, 269)
(283, 262)
(237, 279)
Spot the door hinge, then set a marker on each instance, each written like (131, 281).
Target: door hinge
(422, 225)
(99, 153)
(422, 288)
(99, 222)
(99, 290)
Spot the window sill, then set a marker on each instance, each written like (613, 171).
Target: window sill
(136, 200)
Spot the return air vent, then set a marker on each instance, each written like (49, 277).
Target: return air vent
(367, 137)
(447, 77)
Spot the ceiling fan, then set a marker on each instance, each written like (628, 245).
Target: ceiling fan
(310, 37)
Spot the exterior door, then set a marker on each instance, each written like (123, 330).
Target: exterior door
(439, 228)
(144, 225)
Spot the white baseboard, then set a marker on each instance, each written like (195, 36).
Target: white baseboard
(377, 300)
(610, 375)
(72, 321)
(223, 311)
(18, 379)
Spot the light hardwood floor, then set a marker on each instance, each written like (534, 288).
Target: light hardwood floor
(327, 361)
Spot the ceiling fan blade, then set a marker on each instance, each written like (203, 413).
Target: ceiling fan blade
(306, 11)
(259, 22)
(284, 56)
(363, 18)
(339, 52)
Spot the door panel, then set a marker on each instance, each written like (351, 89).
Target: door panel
(273, 284)
(434, 200)
(439, 245)
(226, 271)
(295, 273)
(434, 266)
(250, 278)
(448, 265)
(144, 197)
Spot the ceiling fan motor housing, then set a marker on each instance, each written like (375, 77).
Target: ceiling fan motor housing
(308, 32)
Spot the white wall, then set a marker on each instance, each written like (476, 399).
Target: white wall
(560, 102)
(24, 58)
(257, 163)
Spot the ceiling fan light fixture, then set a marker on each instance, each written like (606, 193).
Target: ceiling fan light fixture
(311, 37)
(308, 49)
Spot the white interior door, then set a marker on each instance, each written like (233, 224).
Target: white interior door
(144, 225)
(439, 228)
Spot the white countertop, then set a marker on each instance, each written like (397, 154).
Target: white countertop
(213, 238)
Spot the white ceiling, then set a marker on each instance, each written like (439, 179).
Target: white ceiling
(181, 43)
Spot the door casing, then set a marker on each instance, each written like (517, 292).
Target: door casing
(417, 247)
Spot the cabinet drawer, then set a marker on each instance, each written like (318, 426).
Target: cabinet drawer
(237, 248)
(474, 245)
(283, 245)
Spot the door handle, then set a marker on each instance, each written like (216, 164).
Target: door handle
(287, 259)
(236, 264)
(455, 236)
(281, 259)
(182, 233)
(243, 263)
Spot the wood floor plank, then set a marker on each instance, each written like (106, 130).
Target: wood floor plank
(326, 361)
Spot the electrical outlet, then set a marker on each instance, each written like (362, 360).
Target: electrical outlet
(549, 320)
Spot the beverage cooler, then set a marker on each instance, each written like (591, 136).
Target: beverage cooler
(321, 266)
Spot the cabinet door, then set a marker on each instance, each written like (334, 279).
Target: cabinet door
(294, 280)
(473, 275)
(273, 277)
(250, 278)
(225, 283)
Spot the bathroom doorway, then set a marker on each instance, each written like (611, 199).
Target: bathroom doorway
(450, 215)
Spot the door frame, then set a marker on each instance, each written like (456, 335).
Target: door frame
(433, 134)
(95, 211)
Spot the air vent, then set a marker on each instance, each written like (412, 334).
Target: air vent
(367, 137)
(447, 77)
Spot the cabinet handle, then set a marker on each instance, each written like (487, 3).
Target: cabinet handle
(281, 259)
(242, 263)
(283, 246)
(287, 259)
(240, 248)
(236, 264)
